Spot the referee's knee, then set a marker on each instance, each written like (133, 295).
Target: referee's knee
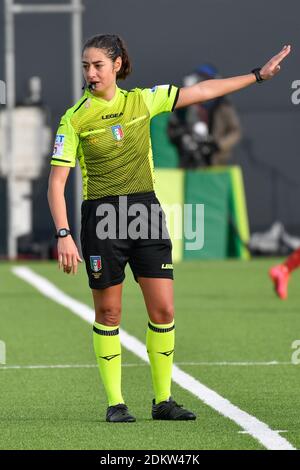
(162, 315)
(108, 316)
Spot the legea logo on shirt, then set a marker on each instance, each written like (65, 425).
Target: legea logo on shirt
(111, 116)
(117, 132)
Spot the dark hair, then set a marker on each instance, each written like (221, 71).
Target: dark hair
(114, 47)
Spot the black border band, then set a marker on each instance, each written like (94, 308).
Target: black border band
(80, 105)
(104, 332)
(176, 99)
(160, 330)
(60, 160)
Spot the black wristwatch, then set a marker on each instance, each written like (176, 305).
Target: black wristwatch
(257, 74)
(62, 233)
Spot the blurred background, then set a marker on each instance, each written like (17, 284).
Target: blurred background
(167, 41)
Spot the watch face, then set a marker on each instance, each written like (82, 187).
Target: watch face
(63, 232)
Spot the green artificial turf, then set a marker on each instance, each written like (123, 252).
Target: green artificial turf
(225, 312)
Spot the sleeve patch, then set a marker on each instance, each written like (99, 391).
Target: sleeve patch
(59, 145)
(153, 90)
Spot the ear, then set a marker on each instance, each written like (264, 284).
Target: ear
(118, 64)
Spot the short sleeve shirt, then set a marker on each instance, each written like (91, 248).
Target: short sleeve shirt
(111, 139)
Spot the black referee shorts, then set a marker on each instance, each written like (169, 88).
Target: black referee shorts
(120, 229)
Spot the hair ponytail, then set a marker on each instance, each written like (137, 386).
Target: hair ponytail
(126, 67)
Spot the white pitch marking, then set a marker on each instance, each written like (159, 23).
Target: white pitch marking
(245, 432)
(61, 366)
(141, 364)
(256, 428)
(228, 363)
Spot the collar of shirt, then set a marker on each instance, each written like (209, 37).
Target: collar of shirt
(104, 102)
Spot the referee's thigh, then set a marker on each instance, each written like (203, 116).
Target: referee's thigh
(159, 298)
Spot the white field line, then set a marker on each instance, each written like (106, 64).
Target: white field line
(141, 364)
(228, 363)
(257, 429)
(245, 432)
(61, 366)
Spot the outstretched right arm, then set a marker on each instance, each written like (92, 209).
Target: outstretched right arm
(210, 89)
(68, 255)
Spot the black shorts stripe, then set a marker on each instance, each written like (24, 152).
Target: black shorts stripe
(106, 333)
(160, 330)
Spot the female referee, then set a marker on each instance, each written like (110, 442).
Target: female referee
(108, 130)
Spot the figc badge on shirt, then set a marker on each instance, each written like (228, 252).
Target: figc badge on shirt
(117, 131)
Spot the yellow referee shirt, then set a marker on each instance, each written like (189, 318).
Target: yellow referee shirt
(111, 139)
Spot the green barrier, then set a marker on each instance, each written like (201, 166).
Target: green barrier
(202, 187)
(165, 154)
(238, 225)
(169, 185)
(238, 206)
(226, 230)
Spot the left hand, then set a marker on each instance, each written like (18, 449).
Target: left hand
(272, 67)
